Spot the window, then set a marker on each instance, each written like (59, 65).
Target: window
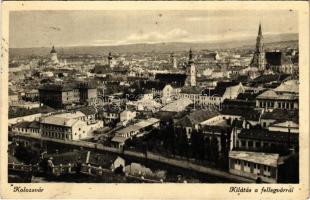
(264, 124)
(266, 168)
(257, 144)
(250, 144)
(242, 143)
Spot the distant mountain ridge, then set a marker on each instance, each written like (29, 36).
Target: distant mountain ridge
(156, 47)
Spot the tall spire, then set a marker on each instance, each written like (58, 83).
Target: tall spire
(190, 56)
(260, 29)
(259, 54)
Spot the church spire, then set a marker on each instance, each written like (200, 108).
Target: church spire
(190, 56)
(260, 29)
(259, 54)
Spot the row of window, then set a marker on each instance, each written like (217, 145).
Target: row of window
(255, 165)
(271, 104)
(56, 135)
(250, 144)
(28, 130)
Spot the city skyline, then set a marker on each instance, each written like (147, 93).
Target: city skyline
(107, 28)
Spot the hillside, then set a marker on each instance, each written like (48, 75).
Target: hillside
(269, 40)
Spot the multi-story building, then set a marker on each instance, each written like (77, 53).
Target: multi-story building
(88, 93)
(58, 96)
(283, 97)
(68, 126)
(62, 96)
(254, 165)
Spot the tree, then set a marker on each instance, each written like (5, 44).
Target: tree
(182, 143)
(201, 145)
(197, 144)
(24, 154)
(214, 150)
(207, 149)
(194, 147)
(225, 136)
(169, 139)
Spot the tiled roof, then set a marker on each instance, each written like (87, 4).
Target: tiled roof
(285, 124)
(233, 90)
(291, 86)
(266, 78)
(270, 94)
(197, 117)
(266, 135)
(220, 88)
(60, 121)
(34, 125)
(24, 124)
(89, 110)
(178, 105)
(281, 115)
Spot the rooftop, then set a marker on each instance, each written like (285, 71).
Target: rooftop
(89, 110)
(281, 115)
(272, 94)
(197, 117)
(266, 135)
(255, 157)
(290, 86)
(192, 90)
(177, 105)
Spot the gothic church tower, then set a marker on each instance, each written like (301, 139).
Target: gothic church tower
(259, 54)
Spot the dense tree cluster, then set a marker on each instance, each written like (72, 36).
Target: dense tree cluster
(175, 142)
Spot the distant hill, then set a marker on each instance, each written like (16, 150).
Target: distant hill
(158, 47)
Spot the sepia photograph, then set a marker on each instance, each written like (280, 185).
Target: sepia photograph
(162, 96)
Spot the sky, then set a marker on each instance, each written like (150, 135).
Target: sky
(104, 28)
